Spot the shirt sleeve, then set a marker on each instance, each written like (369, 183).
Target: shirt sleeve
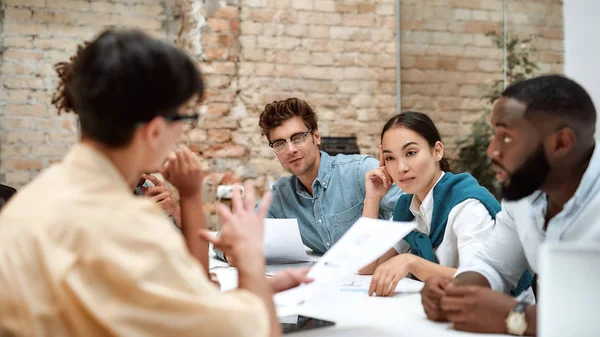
(501, 259)
(144, 282)
(472, 224)
(388, 202)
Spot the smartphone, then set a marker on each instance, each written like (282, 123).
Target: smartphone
(288, 324)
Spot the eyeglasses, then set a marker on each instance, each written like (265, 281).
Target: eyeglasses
(280, 145)
(191, 120)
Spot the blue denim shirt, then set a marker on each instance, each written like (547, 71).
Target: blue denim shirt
(336, 203)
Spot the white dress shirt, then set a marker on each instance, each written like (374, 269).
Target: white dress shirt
(514, 243)
(469, 224)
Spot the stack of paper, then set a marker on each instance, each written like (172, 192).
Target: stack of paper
(283, 243)
(362, 244)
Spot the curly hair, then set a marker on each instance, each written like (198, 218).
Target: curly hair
(121, 79)
(277, 112)
(61, 98)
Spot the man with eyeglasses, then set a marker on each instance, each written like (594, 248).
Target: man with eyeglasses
(325, 193)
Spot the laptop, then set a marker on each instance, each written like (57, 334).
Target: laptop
(569, 290)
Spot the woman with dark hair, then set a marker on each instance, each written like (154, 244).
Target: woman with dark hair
(453, 213)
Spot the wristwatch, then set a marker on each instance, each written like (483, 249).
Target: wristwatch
(516, 322)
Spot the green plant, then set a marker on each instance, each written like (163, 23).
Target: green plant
(472, 155)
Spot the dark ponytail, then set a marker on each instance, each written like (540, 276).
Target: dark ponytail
(421, 124)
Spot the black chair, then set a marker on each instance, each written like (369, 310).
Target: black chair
(6, 192)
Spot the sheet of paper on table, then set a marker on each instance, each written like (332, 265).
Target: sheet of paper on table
(364, 242)
(361, 283)
(283, 243)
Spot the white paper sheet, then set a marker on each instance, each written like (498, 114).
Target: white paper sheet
(361, 283)
(364, 242)
(283, 243)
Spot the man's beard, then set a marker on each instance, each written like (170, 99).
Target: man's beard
(528, 178)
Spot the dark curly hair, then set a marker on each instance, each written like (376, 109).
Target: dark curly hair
(121, 79)
(280, 111)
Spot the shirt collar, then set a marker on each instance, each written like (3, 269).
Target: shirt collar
(85, 157)
(589, 179)
(586, 185)
(427, 204)
(323, 175)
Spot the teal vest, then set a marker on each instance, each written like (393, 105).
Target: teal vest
(451, 190)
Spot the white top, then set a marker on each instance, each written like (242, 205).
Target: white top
(469, 224)
(513, 244)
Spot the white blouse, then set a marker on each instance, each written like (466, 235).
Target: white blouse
(469, 224)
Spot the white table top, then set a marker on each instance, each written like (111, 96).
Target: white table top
(357, 314)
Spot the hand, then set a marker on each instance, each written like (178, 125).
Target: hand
(387, 275)
(289, 278)
(431, 296)
(241, 237)
(378, 181)
(184, 171)
(160, 194)
(477, 309)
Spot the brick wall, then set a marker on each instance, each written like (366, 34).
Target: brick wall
(35, 35)
(339, 55)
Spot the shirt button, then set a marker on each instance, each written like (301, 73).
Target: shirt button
(320, 220)
(328, 243)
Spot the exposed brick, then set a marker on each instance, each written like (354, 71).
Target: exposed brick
(219, 135)
(360, 20)
(319, 18)
(69, 4)
(251, 28)
(25, 3)
(24, 137)
(12, 28)
(225, 151)
(23, 55)
(17, 14)
(385, 9)
(302, 4)
(23, 164)
(218, 25)
(296, 30)
(23, 82)
(262, 15)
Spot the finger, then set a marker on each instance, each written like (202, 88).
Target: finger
(154, 190)
(183, 165)
(208, 237)
(383, 177)
(456, 318)
(433, 291)
(173, 165)
(237, 204)
(460, 291)
(392, 289)
(452, 303)
(385, 291)
(224, 214)
(153, 179)
(265, 202)
(249, 196)
(383, 283)
(388, 176)
(160, 197)
(300, 275)
(374, 282)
